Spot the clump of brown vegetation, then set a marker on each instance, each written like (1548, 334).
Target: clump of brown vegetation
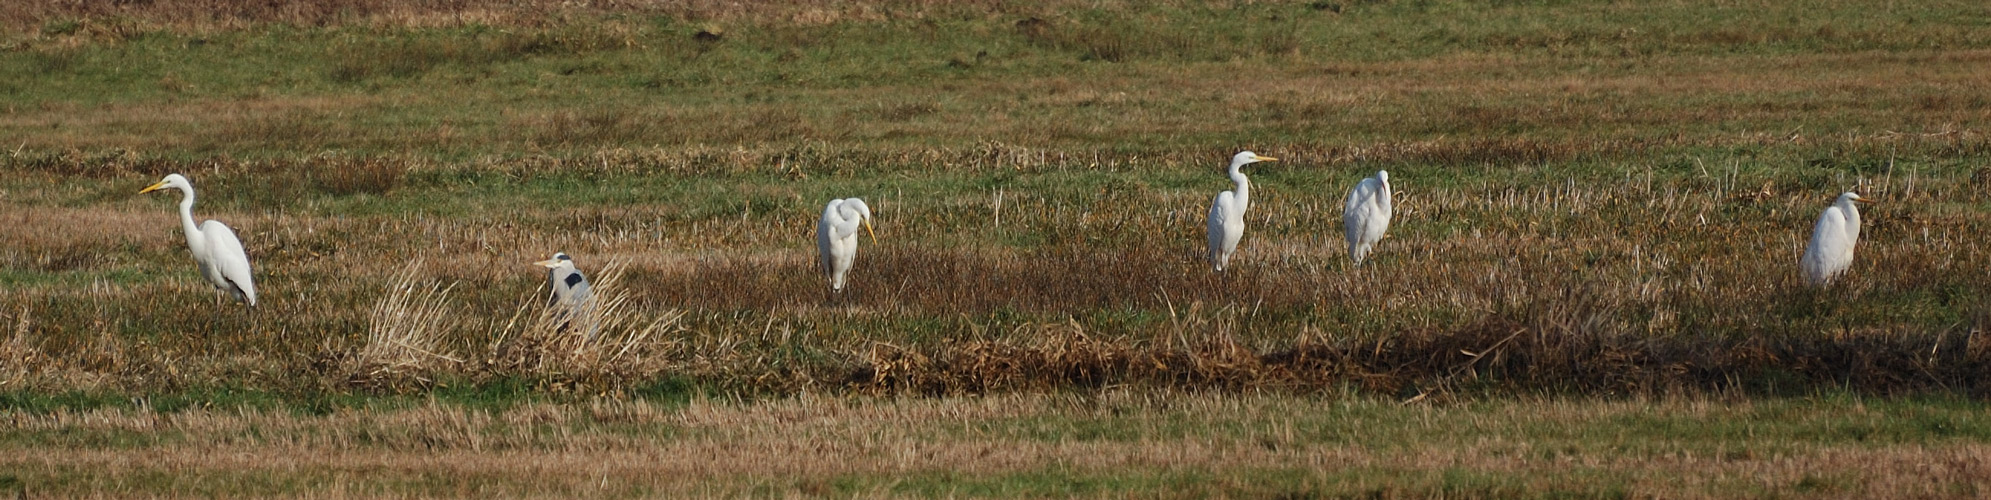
(599, 346)
(407, 340)
(1500, 352)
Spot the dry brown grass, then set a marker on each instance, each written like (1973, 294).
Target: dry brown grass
(60, 17)
(407, 333)
(589, 348)
(1110, 443)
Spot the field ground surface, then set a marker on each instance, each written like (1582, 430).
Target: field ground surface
(1591, 275)
(1098, 444)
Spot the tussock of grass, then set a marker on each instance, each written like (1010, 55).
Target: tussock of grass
(19, 353)
(407, 334)
(602, 345)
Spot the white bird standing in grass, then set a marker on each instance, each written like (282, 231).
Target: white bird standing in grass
(215, 247)
(1226, 222)
(836, 237)
(1831, 250)
(1367, 215)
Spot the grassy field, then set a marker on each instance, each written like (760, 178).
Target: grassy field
(1106, 444)
(1600, 210)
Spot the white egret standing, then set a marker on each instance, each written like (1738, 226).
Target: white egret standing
(1831, 250)
(215, 247)
(1367, 215)
(1226, 222)
(836, 237)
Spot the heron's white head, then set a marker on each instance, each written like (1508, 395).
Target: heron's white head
(1383, 175)
(1847, 198)
(1246, 158)
(559, 260)
(172, 181)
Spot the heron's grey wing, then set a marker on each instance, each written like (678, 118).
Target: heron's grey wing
(230, 260)
(578, 289)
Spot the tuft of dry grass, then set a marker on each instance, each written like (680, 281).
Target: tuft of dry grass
(597, 347)
(408, 330)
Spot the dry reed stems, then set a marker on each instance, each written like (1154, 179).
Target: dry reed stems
(598, 345)
(407, 332)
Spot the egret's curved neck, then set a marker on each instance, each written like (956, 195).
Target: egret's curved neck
(1386, 194)
(847, 220)
(1243, 191)
(187, 219)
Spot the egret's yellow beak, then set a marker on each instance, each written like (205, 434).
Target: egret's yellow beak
(155, 187)
(867, 230)
(1863, 200)
(548, 263)
(1267, 158)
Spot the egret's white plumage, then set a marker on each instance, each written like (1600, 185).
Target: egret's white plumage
(216, 249)
(1832, 239)
(836, 237)
(570, 287)
(1226, 221)
(1366, 216)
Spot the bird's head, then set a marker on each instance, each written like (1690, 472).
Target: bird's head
(1383, 175)
(172, 181)
(559, 260)
(1246, 158)
(1850, 197)
(863, 216)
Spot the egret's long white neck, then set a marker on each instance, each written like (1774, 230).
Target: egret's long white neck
(1243, 192)
(194, 239)
(1387, 204)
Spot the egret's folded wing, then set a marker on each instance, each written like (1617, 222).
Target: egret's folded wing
(229, 258)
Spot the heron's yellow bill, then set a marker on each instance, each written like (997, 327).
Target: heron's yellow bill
(155, 187)
(1267, 158)
(1864, 200)
(867, 230)
(548, 263)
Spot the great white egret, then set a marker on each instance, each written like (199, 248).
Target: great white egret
(1832, 241)
(570, 287)
(1226, 222)
(1367, 215)
(215, 247)
(836, 237)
